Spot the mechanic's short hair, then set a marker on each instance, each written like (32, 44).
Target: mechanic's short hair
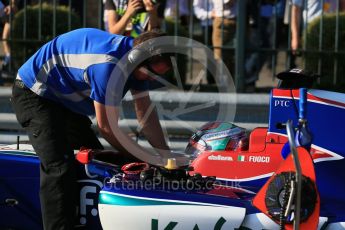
(147, 36)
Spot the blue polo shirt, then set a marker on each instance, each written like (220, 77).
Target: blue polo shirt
(74, 68)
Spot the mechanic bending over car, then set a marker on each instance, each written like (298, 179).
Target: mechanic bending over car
(63, 83)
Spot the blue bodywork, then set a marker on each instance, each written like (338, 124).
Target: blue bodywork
(325, 122)
(19, 179)
(19, 174)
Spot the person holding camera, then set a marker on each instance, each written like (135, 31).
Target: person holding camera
(130, 17)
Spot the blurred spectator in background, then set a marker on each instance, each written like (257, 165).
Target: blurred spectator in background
(7, 10)
(178, 10)
(204, 11)
(314, 8)
(330, 6)
(176, 23)
(311, 10)
(224, 30)
(266, 30)
(131, 17)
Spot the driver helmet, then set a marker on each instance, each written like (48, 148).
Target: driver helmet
(218, 136)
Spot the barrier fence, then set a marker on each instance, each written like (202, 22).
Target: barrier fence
(263, 34)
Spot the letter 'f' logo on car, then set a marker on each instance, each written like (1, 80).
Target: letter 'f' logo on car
(88, 194)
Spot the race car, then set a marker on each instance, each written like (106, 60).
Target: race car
(237, 179)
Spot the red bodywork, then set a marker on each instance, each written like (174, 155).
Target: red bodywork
(307, 167)
(262, 158)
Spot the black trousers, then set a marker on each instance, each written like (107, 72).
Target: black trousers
(54, 132)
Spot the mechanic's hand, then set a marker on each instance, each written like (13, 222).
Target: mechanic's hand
(133, 7)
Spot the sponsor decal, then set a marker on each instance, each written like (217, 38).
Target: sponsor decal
(219, 158)
(241, 158)
(282, 103)
(171, 225)
(254, 159)
(88, 199)
(259, 159)
(222, 134)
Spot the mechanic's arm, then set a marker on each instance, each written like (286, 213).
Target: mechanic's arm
(151, 128)
(109, 129)
(295, 23)
(119, 26)
(149, 122)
